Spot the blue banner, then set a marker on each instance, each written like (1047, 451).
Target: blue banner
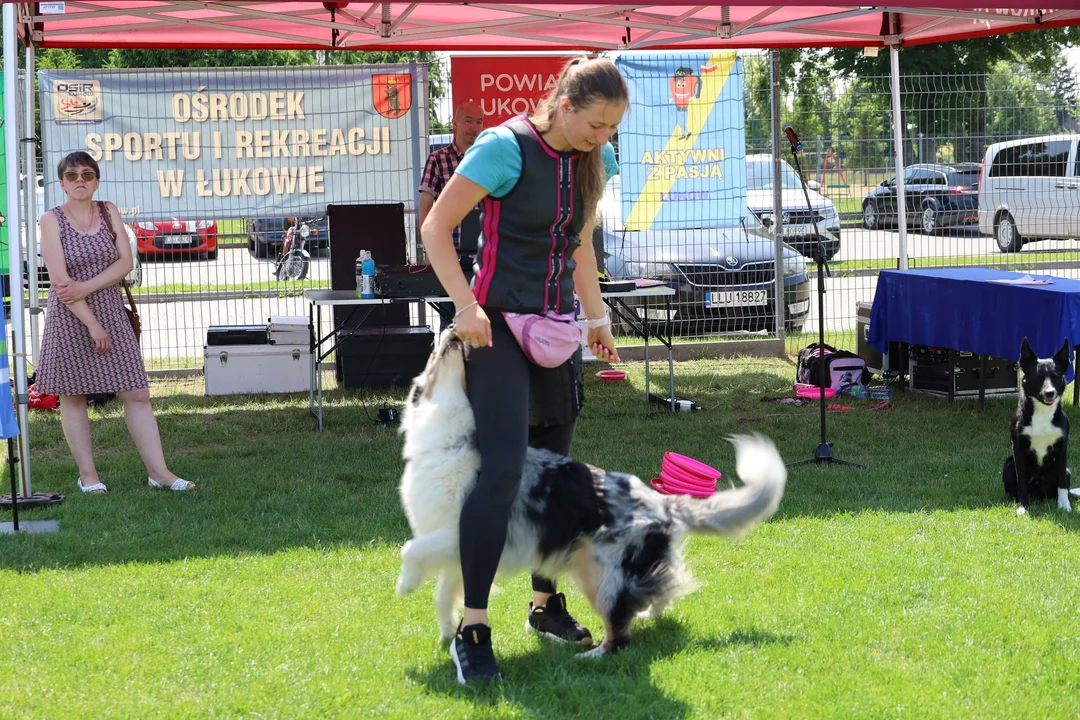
(682, 146)
(8, 425)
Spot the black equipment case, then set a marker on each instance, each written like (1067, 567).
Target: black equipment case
(237, 335)
(935, 370)
(402, 281)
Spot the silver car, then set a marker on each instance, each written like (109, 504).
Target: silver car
(798, 218)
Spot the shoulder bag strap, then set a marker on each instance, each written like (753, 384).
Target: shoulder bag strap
(107, 219)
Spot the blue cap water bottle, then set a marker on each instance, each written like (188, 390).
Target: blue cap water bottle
(365, 275)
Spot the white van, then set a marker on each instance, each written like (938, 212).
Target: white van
(1030, 190)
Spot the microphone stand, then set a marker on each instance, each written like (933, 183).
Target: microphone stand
(824, 453)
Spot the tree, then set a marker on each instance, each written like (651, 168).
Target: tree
(1063, 88)
(1040, 50)
(944, 97)
(1017, 106)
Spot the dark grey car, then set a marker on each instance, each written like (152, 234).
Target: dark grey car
(936, 196)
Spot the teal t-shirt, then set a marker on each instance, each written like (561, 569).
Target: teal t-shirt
(494, 161)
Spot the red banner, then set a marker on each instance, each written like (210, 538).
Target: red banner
(503, 86)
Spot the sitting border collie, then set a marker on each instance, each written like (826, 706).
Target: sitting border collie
(1037, 470)
(617, 536)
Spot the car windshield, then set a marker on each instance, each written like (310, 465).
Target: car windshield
(970, 179)
(759, 176)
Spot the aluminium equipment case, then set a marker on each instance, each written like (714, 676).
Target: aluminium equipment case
(289, 330)
(895, 362)
(230, 369)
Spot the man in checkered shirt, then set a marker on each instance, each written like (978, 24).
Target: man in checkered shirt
(467, 123)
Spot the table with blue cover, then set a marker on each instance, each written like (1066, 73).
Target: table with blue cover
(964, 309)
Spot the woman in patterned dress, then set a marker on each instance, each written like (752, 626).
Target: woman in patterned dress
(88, 345)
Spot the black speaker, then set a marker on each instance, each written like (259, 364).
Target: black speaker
(382, 357)
(379, 229)
(470, 233)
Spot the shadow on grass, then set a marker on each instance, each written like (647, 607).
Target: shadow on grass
(615, 686)
(268, 481)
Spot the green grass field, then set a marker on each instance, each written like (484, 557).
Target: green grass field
(906, 589)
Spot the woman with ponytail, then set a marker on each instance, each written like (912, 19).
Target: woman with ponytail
(539, 180)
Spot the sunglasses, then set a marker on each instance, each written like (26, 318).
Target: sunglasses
(85, 175)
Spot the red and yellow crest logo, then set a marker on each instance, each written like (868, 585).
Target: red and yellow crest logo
(392, 94)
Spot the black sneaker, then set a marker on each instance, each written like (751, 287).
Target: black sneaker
(472, 655)
(553, 621)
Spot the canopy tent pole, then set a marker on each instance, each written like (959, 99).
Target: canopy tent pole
(777, 228)
(898, 142)
(11, 140)
(30, 203)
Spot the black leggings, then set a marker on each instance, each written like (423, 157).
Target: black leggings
(556, 438)
(497, 378)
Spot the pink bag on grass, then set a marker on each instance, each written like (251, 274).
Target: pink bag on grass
(547, 340)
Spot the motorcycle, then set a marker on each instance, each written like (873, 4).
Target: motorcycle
(294, 261)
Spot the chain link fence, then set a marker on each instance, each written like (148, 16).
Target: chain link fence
(949, 122)
(224, 274)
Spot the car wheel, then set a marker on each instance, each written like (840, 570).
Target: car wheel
(1007, 236)
(929, 220)
(870, 218)
(262, 250)
(212, 255)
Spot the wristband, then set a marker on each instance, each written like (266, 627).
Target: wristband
(458, 313)
(597, 322)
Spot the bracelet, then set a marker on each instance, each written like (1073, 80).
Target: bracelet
(597, 322)
(458, 313)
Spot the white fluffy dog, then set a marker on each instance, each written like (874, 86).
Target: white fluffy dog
(617, 536)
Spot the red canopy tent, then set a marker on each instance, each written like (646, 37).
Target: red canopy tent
(457, 26)
(566, 25)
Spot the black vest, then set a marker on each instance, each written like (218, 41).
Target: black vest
(524, 260)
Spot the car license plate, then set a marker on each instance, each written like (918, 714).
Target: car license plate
(796, 230)
(736, 298)
(176, 240)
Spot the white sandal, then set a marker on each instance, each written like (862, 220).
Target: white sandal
(97, 488)
(179, 485)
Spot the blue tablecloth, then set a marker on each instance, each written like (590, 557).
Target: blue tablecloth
(963, 310)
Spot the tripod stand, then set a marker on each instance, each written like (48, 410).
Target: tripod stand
(823, 454)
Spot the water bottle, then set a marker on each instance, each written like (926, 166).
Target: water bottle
(857, 391)
(365, 276)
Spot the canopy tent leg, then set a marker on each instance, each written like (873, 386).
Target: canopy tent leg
(898, 142)
(29, 145)
(11, 140)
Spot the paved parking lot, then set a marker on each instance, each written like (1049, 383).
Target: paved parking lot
(175, 326)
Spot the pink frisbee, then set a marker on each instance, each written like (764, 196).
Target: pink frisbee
(814, 392)
(692, 466)
(671, 488)
(677, 474)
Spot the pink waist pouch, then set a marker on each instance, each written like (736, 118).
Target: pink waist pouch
(547, 340)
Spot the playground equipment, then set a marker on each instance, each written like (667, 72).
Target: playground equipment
(830, 155)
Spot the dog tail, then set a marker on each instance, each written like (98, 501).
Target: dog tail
(736, 511)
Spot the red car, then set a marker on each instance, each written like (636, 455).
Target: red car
(169, 237)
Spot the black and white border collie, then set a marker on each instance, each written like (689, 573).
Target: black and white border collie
(618, 537)
(1037, 468)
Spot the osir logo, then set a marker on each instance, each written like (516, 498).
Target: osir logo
(77, 101)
